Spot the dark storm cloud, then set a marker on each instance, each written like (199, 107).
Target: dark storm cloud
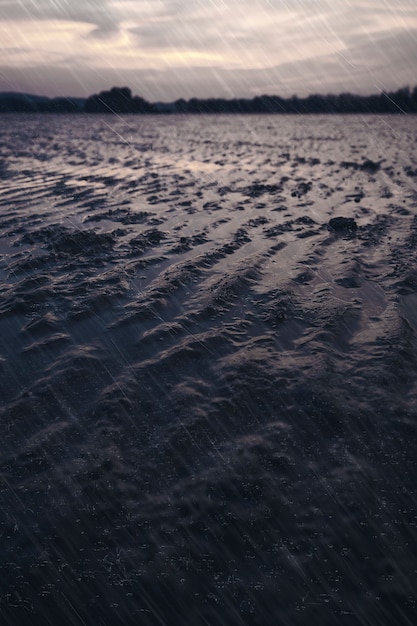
(100, 13)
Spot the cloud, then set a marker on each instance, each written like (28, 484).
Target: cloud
(255, 32)
(102, 14)
(165, 49)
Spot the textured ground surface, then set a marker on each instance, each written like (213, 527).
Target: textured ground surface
(208, 394)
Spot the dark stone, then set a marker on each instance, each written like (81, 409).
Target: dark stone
(370, 166)
(343, 224)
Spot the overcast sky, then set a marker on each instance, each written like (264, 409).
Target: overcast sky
(166, 49)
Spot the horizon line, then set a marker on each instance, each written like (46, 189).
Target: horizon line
(410, 88)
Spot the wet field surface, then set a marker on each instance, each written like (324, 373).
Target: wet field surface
(207, 382)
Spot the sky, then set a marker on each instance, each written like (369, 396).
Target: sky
(168, 49)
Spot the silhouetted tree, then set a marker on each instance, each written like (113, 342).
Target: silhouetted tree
(118, 100)
(413, 100)
(139, 105)
(181, 106)
(402, 99)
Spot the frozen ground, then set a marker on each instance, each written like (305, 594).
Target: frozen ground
(208, 394)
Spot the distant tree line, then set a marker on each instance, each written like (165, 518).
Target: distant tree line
(402, 101)
(22, 103)
(119, 100)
